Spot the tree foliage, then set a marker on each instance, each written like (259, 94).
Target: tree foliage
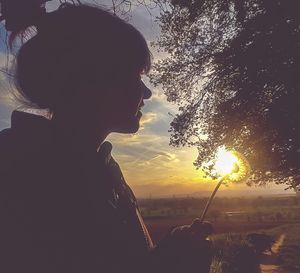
(233, 68)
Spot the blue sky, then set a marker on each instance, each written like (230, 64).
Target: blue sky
(149, 164)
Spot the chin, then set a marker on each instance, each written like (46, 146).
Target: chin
(129, 125)
(128, 128)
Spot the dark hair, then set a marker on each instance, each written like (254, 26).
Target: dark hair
(77, 47)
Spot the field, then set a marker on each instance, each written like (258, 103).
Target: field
(227, 214)
(289, 254)
(234, 218)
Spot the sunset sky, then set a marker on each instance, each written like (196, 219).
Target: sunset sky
(150, 165)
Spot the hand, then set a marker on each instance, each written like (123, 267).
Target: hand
(196, 232)
(186, 249)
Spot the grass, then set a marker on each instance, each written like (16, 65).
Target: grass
(233, 254)
(289, 254)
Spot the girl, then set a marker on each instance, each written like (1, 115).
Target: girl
(65, 204)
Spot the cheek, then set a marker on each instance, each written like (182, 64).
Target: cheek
(120, 104)
(128, 103)
(114, 109)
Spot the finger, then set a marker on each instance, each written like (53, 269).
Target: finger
(180, 231)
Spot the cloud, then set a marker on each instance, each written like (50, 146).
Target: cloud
(147, 119)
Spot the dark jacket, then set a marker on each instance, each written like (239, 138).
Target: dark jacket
(63, 209)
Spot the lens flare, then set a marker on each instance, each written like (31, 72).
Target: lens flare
(225, 162)
(230, 164)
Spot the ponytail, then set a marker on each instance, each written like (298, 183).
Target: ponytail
(21, 14)
(76, 47)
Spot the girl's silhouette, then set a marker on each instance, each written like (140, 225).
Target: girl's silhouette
(65, 206)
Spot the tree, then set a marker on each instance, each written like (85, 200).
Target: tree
(232, 66)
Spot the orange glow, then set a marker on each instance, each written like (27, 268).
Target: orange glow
(231, 164)
(225, 162)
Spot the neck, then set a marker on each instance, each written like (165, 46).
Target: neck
(80, 132)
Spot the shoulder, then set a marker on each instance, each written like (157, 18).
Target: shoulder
(7, 147)
(25, 147)
(5, 137)
(14, 148)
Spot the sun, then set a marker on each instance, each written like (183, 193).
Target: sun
(226, 162)
(230, 164)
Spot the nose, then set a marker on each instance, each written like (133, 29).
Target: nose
(146, 91)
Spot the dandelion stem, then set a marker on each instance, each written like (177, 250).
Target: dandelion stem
(212, 197)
